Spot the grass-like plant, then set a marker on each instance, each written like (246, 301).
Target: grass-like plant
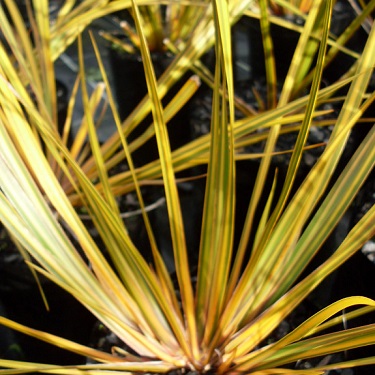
(221, 322)
(173, 21)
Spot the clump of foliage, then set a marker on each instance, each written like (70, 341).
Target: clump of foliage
(220, 323)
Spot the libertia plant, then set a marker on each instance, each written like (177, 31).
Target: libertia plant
(220, 323)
